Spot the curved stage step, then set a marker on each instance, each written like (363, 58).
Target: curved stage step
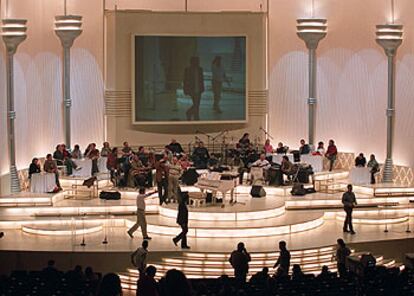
(284, 224)
(375, 217)
(63, 229)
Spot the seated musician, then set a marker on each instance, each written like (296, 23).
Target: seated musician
(143, 155)
(137, 175)
(281, 149)
(331, 154)
(263, 163)
(360, 161)
(185, 162)
(63, 157)
(34, 167)
(201, 156)
(304, 148)
(247, 157)
(76, 152)
(373, 165)
(106, 149)
(287, 167)
(93, 154)
(244, 142)
(175, 147)
(268, 148)
(50, 166)
(320, 150)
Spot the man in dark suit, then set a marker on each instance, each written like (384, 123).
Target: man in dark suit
(182, 220)
(194, 87)
(239, 260)
(161, 176)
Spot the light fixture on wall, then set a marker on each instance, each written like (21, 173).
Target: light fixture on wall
(390, 37)
(67, 28)
(13, 33)
(312, 30)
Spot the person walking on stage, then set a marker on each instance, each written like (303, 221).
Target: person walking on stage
(141, 221)
(283, 261)
(139, 257)
(349, 202)
(239, 260)
(182, 220)
(161, 176)
(342, 253)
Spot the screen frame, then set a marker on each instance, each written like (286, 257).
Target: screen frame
(186, 122)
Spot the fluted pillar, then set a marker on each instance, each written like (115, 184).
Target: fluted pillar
(13, 33)
(311, 31)
(389, 37)
(67, 28)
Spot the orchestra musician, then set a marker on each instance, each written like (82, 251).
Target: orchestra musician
(244, 142)
(287, 167)
(262, 163)
(281, 149)
(175, 147)
(201, 156)
(137, 175)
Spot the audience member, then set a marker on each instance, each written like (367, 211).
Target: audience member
(34, 167)
(331, 154)
(176, 284)
(261, 278)
(325, 274)
(141, 220)
(349, 202)
(139, 257)
(239, 260)
(342, 253)
(373, 166)
(283, 262)
(147, 285)
(110, 285)
(297, 273)
(360, 161)
(304, 148)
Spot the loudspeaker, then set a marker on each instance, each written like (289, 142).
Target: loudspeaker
(110, 195)
(257, 191)
(298, 189)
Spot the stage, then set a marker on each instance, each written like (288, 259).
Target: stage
(41, 226)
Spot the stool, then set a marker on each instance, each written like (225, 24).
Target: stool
(196, 199)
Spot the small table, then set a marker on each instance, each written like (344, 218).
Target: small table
(360, 175)
(85, 168)
(197, 199)
(42, 183)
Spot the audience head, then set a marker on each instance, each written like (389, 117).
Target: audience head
(282, 245)
(51, 263)
(240, 246)
(349, 187)
(296, 268)
(89, 271)
(265, 270)
(325, 269)
(341, 242)
(151, 271)
(110, 285)
(177, 283)
(145, 244)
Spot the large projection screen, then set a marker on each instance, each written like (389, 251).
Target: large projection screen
(189, 79)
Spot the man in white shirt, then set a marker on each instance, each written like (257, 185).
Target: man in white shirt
(263, 164)
(141, 221)
(139, 257)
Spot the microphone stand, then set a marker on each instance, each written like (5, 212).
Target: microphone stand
(266, 134)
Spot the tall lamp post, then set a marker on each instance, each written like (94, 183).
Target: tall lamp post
(389, 37)
(312, 30)
(67, 28)
(13, 33)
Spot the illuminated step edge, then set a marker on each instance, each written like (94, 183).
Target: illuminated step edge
(376, 218)
(25, 201)
(234, 232)
(68, 223)
(63, 229)
(335, 175)
(225, 216)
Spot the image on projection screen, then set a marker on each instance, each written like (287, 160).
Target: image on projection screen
(189, 79)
